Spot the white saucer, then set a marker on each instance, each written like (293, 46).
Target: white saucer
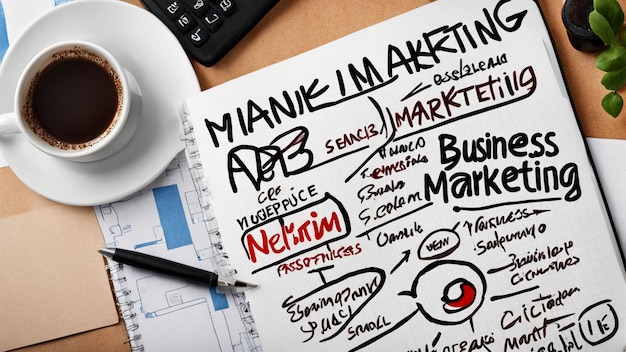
(164, 73)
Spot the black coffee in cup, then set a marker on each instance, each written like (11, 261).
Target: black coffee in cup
(74, 100)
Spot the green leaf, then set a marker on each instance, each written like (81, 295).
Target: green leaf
(601, 26)
(612, 59)
(614, 80)
(612, 11)
(612, 103)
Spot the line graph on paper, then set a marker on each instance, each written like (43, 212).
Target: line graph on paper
(166, 219)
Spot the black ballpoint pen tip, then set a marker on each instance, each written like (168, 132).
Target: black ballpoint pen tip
(230, 282)
(244, 284)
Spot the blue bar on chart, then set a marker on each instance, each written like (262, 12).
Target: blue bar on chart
(219, 299)
(4, 37)
(172, 215)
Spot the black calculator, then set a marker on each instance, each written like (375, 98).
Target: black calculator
(208, 29)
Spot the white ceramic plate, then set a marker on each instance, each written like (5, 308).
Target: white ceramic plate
(152, 54)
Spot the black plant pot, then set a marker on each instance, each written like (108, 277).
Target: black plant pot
(575, 15)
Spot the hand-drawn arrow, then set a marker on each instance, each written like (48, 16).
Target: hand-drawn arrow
(405, 259)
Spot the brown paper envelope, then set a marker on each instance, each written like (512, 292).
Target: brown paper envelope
(53, 282)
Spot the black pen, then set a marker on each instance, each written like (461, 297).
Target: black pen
(145, 261)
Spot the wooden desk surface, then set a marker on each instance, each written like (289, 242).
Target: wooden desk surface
(296, 26)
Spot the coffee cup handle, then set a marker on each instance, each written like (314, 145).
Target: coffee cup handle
(8, 123)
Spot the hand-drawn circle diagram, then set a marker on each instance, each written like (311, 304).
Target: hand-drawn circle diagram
(449, 292)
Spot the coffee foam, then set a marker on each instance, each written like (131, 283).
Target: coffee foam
(28, 107)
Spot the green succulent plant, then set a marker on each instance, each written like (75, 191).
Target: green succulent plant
(606, 21)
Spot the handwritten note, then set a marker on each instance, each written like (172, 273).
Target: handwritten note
(420, 185)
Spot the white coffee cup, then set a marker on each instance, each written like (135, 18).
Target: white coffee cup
(75, 101)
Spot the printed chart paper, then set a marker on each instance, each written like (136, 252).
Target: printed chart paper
(420, 185)
(164, 313)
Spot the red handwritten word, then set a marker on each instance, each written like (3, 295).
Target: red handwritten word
(291, 235)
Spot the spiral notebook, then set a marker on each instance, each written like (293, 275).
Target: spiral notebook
(419, 185)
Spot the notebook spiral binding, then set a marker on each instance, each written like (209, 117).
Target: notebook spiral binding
(125, 306)
(221, 258)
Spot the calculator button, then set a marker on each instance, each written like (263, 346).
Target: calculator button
(198, 7)
(198, 36)
(228, 7)
(172, 8)
(208, 29)
(213, 21)
(185, 22)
